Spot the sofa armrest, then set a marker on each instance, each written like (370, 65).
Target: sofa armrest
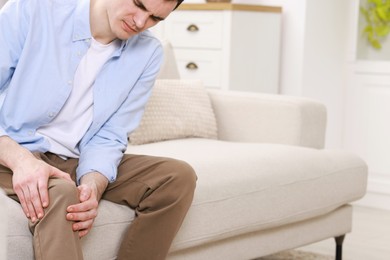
(3, 226)
(267, 118)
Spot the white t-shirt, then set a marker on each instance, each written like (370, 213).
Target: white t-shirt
(66, 130)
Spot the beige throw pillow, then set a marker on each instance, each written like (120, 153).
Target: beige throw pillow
(176, 109)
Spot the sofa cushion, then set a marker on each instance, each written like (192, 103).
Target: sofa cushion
(176, 109)
(112, 222)
(245, 187)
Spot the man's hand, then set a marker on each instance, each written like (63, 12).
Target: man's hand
(84, 213)
(30, 180)
(30, 177)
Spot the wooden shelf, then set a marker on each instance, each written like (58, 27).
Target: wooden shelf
(230, 6)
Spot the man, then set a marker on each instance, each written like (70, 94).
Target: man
(74, 79)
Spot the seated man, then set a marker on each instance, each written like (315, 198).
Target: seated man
(74, 80)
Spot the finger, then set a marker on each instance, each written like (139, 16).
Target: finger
(60, 174)
(83, 207)
(86, 204)
(36, 202)
(22, 201)
(80, 207)
(83, 233)
(85, 192)
(43, 193)
(82, 225)
(29, 205)
(82, 216)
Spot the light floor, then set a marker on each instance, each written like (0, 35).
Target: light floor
(369, 239)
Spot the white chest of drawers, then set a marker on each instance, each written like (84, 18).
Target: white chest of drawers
(228, 46)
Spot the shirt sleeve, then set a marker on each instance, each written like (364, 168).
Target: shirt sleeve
(104, 151)
(14, 16)
(13, 29)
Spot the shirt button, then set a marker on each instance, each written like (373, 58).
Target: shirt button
(70, 82)
(51, 114)
(30, 133)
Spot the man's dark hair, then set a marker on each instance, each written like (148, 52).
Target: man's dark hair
(178, 3)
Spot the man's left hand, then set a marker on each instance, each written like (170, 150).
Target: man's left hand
(84, 213)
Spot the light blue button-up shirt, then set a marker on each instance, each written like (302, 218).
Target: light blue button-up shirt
(41, 45)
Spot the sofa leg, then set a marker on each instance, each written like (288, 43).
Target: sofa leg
(339, 247)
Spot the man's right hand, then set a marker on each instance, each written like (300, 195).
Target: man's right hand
(30, 177)
(30, 180)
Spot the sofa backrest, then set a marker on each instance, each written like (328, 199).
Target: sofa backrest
(169, 68)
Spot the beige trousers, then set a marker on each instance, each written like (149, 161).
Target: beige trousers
(160, 190)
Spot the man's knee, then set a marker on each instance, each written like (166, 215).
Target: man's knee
(63, 190)
(182, 175)
(62, 193)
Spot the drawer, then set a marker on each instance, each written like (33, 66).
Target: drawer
(200, 64)
(193, 29)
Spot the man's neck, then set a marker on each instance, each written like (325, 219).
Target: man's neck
(100, 27)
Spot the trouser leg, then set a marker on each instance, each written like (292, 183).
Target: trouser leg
(53, 234)
(53, 237)
(161, 191)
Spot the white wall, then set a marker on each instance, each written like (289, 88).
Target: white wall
(293, 31)
(367, 124)
(325, 54)
(313, 55)
(320, 38)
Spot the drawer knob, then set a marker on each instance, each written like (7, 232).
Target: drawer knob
(192, 66)
(192, 28)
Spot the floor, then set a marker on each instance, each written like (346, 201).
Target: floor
(369, 240)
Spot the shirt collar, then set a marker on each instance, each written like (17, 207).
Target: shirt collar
(81, 27)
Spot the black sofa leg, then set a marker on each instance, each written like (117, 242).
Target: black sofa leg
(339, 247)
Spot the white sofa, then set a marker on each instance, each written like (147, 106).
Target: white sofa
(3, 228)
(264, 186)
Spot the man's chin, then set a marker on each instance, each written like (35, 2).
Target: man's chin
(126, 36)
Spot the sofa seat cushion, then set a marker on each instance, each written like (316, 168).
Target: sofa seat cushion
(245, 187)
(102, 242)
(3, 227)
